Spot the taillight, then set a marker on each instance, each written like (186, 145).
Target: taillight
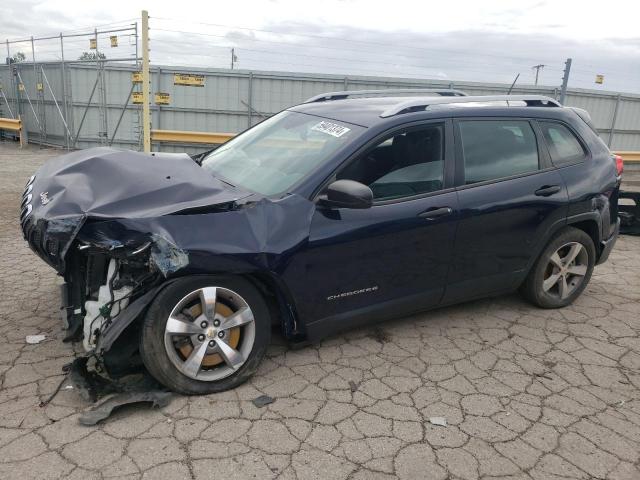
(619, 164)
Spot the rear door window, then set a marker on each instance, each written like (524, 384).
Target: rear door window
(564, 147)
(494, 149)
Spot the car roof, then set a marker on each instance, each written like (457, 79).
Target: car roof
(372, 111)
(360, 111)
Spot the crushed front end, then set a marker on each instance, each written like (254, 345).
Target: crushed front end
(74, 214)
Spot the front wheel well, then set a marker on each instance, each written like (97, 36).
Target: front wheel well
(280, 307)
(280, 304)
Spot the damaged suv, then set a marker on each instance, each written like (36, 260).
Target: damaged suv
(350, 208)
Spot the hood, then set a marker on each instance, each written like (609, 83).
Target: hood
(105, 183)
(109, 183)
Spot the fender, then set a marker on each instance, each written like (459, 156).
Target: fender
(557, 226)
(135, 309)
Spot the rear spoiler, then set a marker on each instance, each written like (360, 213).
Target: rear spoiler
(586, 118)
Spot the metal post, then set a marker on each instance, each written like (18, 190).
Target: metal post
(64, 122)
(35, 82)
(14, 88)
(55, 101)
(565, 80)
(67, 138)
(136, 35)
(84, 115)
(103, 133)
(345, 83)
(105, 110)
(157, 122)
(613, 121)
(124, 108)
(7, 102)
(35, 116)
(146, 120)
(250, 101)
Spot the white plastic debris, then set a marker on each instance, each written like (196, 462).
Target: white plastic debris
(35, 339)
(441, 421)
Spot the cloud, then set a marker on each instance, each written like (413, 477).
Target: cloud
(416, 40)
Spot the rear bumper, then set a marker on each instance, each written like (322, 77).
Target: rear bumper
(607, 245)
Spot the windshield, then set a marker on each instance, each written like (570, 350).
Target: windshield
(277, 153)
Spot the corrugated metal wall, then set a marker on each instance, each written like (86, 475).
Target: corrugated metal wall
(232, 100)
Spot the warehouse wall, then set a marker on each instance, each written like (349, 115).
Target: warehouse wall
(230, 101)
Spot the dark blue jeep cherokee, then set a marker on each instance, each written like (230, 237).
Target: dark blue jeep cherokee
(334, 213)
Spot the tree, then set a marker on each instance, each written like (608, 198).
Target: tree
(92, 56)
(18, 57)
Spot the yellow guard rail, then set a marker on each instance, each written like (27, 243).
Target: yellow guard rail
(178, 136)
(13, 126)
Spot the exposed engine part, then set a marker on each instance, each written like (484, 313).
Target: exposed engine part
(108, 305)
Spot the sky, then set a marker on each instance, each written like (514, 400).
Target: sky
(489, 40)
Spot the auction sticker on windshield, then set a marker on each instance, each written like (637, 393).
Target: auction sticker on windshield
(330, 128)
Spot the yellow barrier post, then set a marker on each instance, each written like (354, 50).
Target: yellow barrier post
(20, 135)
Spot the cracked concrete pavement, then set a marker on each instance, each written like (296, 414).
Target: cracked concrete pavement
(527, 393)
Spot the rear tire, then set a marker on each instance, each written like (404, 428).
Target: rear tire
(205, 334)
(562, 271)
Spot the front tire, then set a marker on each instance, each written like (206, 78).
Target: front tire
(205, 334)
(562, 271)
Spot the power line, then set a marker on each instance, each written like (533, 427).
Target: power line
(119, 23)
(324, 57)
(339, 39)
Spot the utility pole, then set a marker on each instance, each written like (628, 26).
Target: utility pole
(234, 59)
(565, 80)
(537, 68)
(146, 113)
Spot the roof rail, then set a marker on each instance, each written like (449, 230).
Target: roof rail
(418, 104)
(389, 92)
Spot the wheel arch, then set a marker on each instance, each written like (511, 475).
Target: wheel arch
(589, 222)
(280, 301)
(590, 227)
(276, 295)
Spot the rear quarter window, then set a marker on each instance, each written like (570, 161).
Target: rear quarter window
(564, 146)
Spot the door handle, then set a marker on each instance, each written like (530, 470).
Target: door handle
(433, 213)
(547, 190)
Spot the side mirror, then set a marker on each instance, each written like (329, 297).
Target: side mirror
(347, 194)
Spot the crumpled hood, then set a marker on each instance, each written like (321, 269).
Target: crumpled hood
(105, 183)
(108, 183)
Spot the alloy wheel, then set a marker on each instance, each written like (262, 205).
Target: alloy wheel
(566, 270)
(210, 333)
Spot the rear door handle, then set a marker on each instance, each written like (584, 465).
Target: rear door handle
(436, 212)
(547, 190)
